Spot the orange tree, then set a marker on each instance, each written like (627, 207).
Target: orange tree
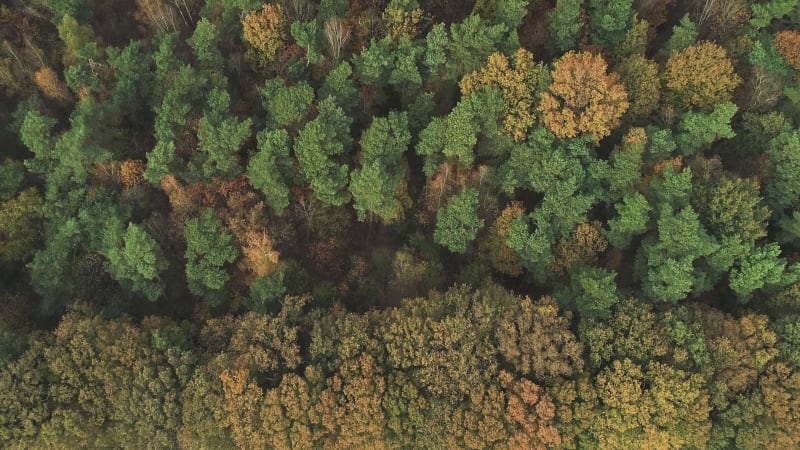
(583, 97)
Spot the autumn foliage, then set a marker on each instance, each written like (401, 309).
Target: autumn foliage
(699, 77)
(788, 44)
(517, 81)
(51, 85)
(583, 97)
(265, 32)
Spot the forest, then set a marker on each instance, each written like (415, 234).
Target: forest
(400, 224)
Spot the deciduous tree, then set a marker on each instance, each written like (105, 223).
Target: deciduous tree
(583, 98)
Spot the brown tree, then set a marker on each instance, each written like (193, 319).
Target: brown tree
(788, 44)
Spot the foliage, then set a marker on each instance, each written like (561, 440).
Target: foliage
(583, 98)
(457, 223)
(699, 76)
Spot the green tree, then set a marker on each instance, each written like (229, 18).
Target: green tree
(591, 291)
(782, 190)
(287, 105)
(20, 226)
(667, 263)
(12, 175)
(564, 24)
(376, 185)
(268, 168)
(205, 45)
(207, 251)
(610, 20)
(697, 129)
(221, 136)
(319, 147)
(135, 258)
(633, 213)
(684, 35)
(457, 224)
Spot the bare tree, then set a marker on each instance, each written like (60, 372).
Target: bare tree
(338, 35)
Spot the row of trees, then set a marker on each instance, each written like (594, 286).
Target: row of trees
(461, 369)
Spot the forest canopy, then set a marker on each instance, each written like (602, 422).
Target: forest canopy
(397, 224)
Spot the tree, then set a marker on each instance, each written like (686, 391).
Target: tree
(267, 169)
(20, 226)
(699, 128)
(639, 75)
(700, 76)
(265, 32)
(376, 185)
(782, 171)
(684, 35)
(135, 258)
(788, 45)
(667, 265)
(592, 291)
(470, 44)
(535, 338)
(12, 174)
(221, 136)
(732, 207)
(518, 86)
(287, 105)
(207, 250)
(502, 257)
(50, 84)
(610, 20)
(564, 24)
(339, 84)
(632, 217)
(583, 98)
(318, 147)
(205, 45)
(457, 224)
(761, 266)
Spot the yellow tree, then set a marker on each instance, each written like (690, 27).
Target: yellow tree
(583, 97)
(517, 80)
(700, 76)
(265, 32)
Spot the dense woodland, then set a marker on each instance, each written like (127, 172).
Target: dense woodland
(404, 224)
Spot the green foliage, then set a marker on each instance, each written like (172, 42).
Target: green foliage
(457, 224)
(471, 42)
(11, 177)
(564, 25)
(375, 186)
(782, 190)
(50, 265)
(318, 146)
(287, 105)
(610, 20)
(339, 84)
(306, 36)
(683, 35)
(592, 292)
(698, 128)
(221, 136)
(136, 259)
(20, 225)
(633, 214)
(268, 168)
(266, 292)
(207, 251)
(205, 45)
(436, 48)
(760, 267)
(667, 263)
